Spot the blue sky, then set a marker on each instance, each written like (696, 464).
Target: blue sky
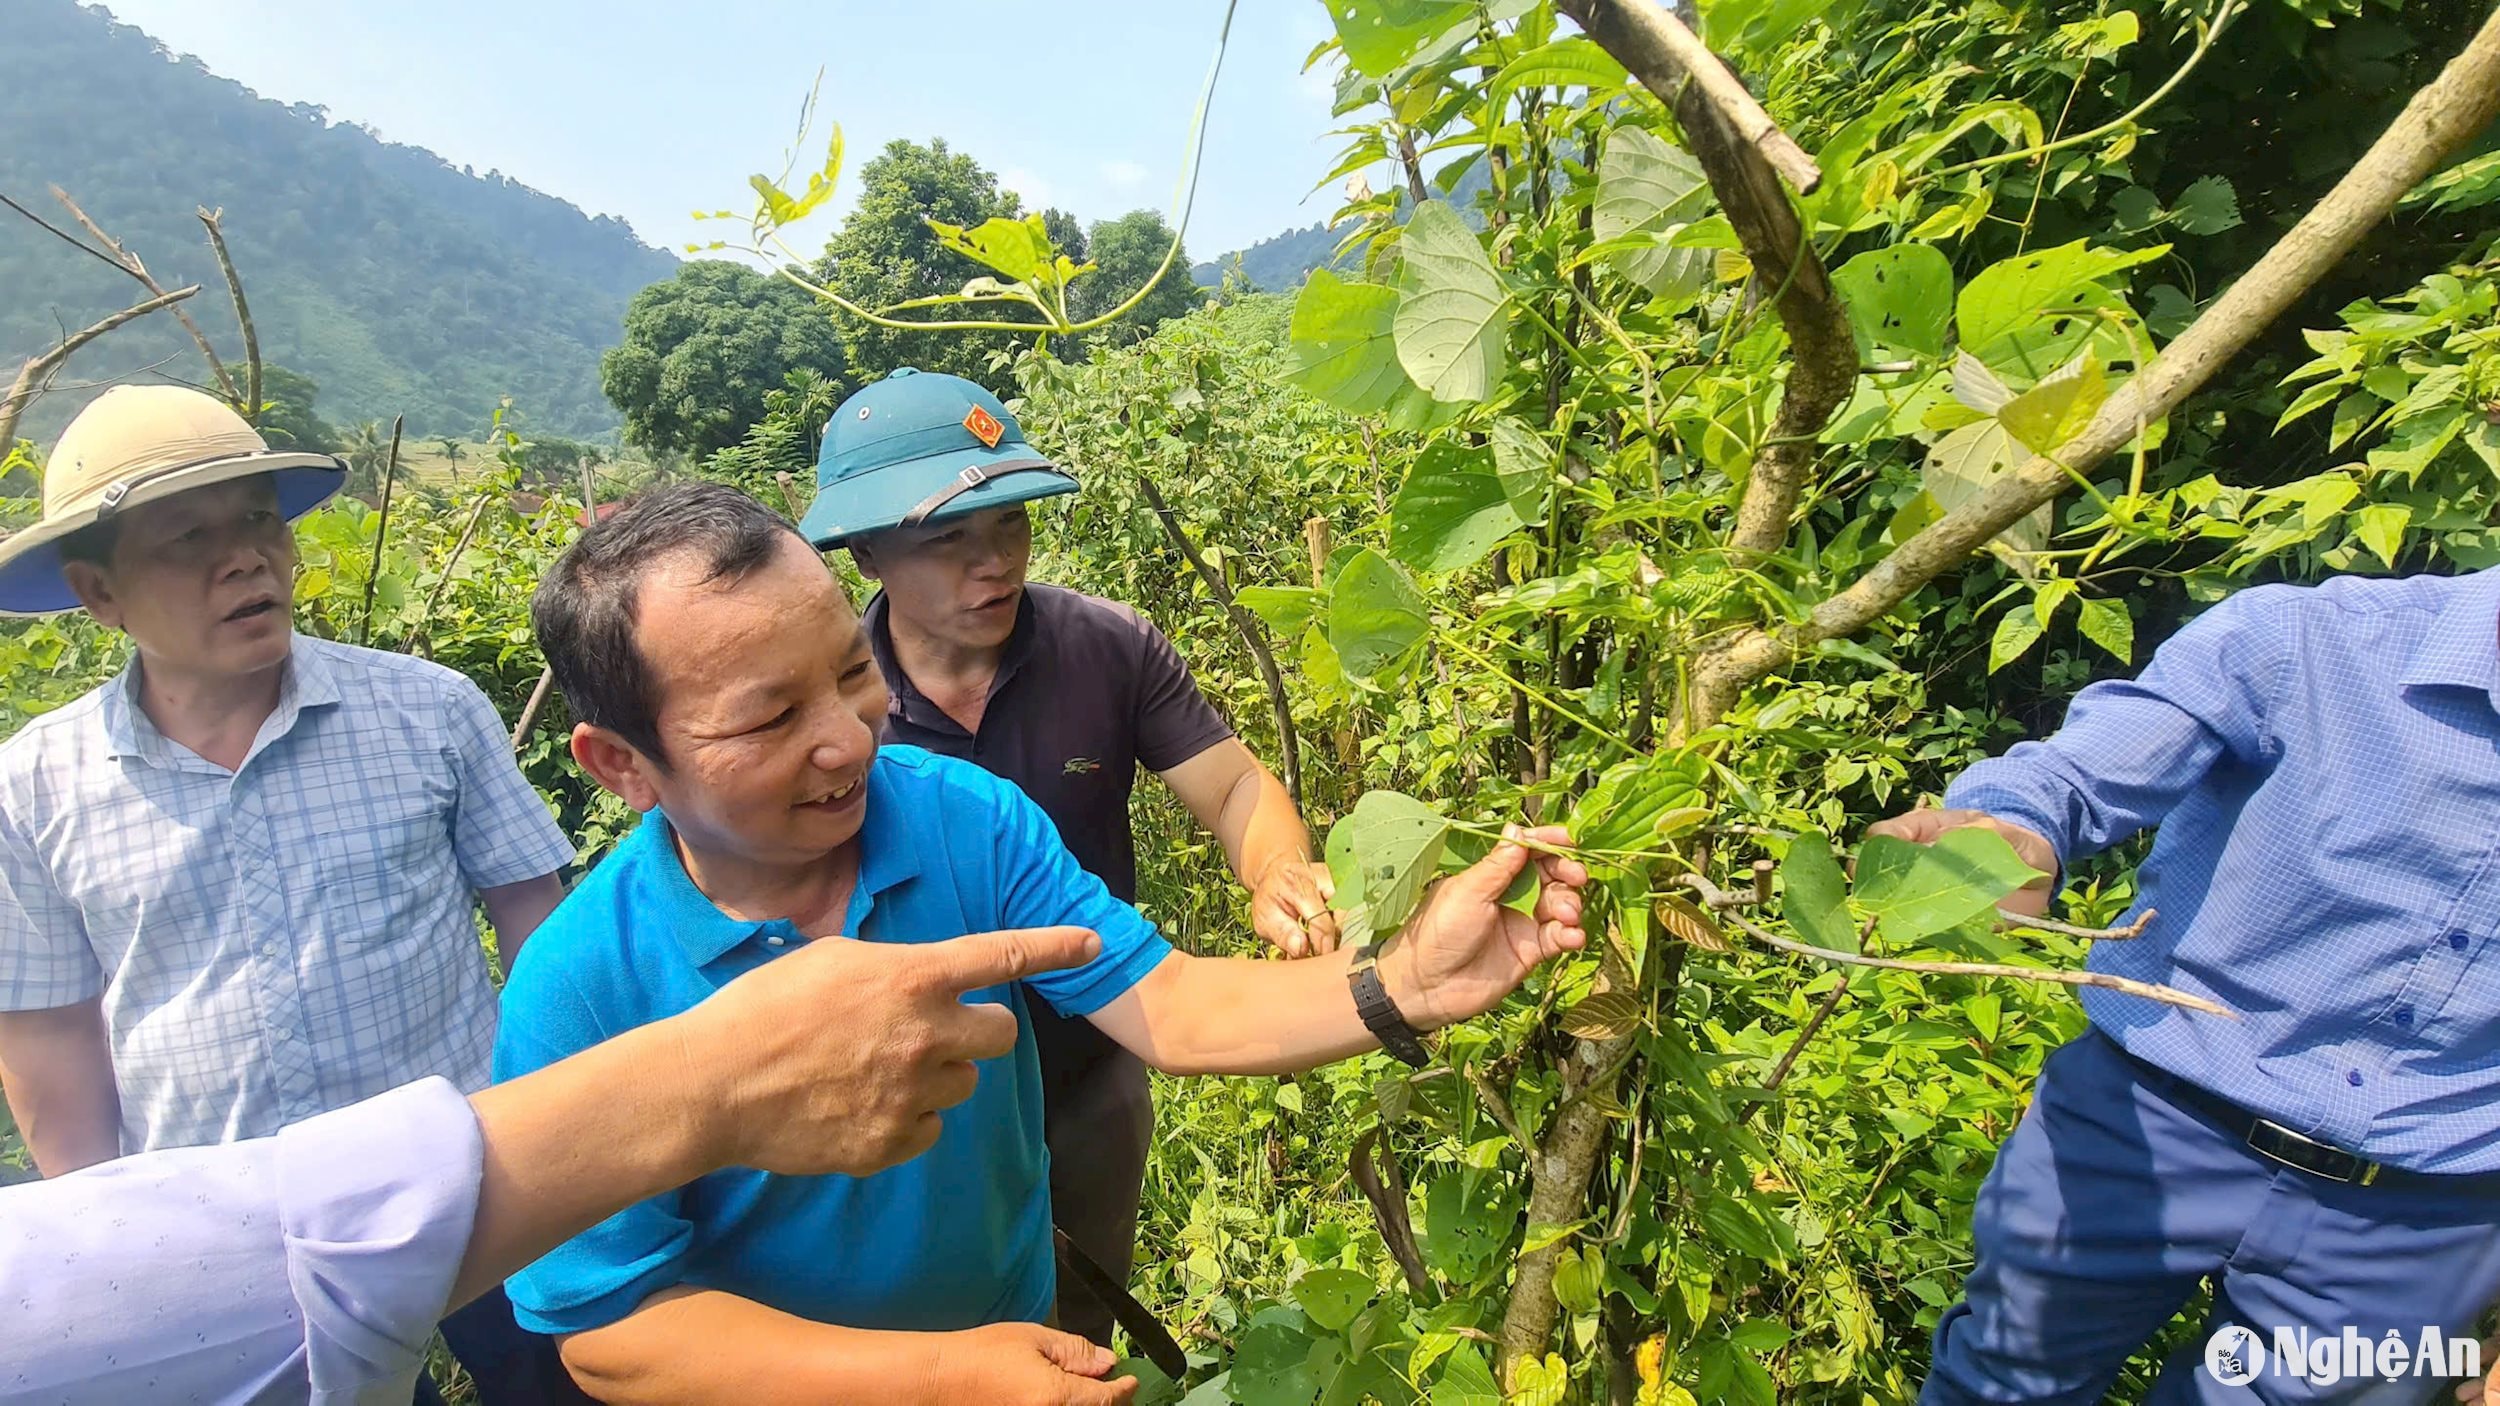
(650, 110)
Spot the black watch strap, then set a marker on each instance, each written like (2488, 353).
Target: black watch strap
(1380, 1014)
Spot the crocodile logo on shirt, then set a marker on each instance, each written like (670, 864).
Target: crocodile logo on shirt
(1080, 766)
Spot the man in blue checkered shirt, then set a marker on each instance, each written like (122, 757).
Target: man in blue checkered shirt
(237, 882)
(2323, 765)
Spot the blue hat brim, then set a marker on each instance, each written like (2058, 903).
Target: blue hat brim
(882, 497)
(31, 582)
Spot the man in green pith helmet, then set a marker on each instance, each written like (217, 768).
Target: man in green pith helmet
(925, 478)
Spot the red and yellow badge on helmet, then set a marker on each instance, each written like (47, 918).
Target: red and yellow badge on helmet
(984, 426)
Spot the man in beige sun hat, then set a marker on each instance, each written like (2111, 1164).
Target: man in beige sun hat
(237, 882)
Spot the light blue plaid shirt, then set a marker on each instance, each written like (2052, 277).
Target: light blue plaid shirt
(279, 941)
(2324, 767)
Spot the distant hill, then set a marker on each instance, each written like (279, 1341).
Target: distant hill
(1279, 263)
(397, 281)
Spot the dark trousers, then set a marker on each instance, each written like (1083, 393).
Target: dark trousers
(511, 1365)
(2113, 1201)
(1097, 1116)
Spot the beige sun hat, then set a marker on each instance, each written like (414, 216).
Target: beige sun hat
(133, 445)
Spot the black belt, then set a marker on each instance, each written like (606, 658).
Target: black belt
(2279, 1144)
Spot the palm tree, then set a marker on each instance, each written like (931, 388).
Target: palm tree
(453, 453)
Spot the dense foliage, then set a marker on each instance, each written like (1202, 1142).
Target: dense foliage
(400, 283)
(1475, 492)
(703, 348)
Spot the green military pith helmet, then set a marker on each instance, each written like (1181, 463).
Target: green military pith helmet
(919, 447)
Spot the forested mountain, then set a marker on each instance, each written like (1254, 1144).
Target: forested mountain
(397, 281)
(1279, 263)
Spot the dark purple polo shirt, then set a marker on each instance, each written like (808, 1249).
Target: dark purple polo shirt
(1087, 693)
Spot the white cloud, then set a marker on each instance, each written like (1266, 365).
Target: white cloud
(1123, 174)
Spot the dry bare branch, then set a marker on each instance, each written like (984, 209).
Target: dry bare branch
(131, 264)
(32, 376)
(2009, 919)
(1720, 899)
(1253, 636)
(242, 313)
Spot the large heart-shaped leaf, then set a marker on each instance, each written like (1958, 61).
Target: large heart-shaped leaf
(1333, 1296)
(1645, 186)
(1453, 312)
(1375, 615)
(2058, 408)
(1900, 299)
(1965, 462)
(1381, 36)
(1916, 890)
(1451, 509)
(1273, 1367)
(1524, 462)
(1382, 854)
(1467, 1381)
(1342, 340)
(2008, 297)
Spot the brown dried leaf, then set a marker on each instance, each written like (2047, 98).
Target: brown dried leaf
(1692, 924)
(1602, 1015)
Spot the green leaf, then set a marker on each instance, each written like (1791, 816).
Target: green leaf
(1018, 248)
(2007, 297)
(1288, 610)
(1273, 1367)
(1760, 1335)
(1383, 853)
(1814, 895)
(1735, 1226)
(1344, 346)
(2015, 635)
(2207, 206)
(1467, 1218)
(1621, 812)
(1914, 890)
(1540, 1383)
(1576, 60)
(1451, 509)
(1986, 1011)
(2381, 528)
(1333, 1296)
(2107, 624)
(1525, 465)
(2056, 410)
(1466, 1381)
(1900, 298)
(1382, 36)
(1645, 185)
(1375, 615)
(1453, 312)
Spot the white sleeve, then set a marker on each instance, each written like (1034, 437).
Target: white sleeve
(314, 1263)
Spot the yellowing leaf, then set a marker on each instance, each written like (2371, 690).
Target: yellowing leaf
(2381, 528)
(2058, 408)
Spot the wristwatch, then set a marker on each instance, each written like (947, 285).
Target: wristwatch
(1380, 1014)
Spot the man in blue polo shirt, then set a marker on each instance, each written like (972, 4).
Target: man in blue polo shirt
(724, 687)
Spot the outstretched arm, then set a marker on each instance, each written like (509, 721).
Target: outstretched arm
(1457, 957)
(1250, 813)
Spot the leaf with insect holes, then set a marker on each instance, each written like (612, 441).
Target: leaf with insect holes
(1382, 854)
(1602, 1015)
(1333, 1296)
(1682, 918)
(1900, 299)
(1453, 310)
(1451, 510)
(1376, 616)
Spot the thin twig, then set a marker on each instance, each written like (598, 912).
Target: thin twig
(1720, 900)
(530, 710)
(418, 642)
(131, 264)
(1822, 1012)
(59, 233)
(38, 370)
(1253, 635)
(2142, 921)
(381, 532)
(242, 313)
